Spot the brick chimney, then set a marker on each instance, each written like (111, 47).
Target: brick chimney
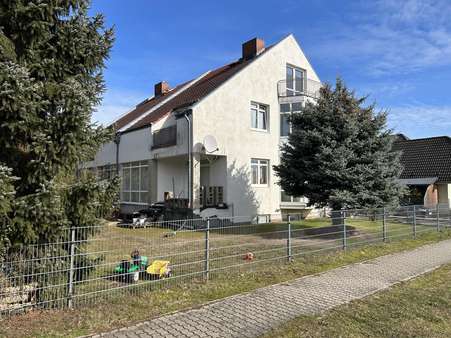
(252, 48)
(161, 88)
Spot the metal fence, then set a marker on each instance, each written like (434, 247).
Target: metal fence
(88, 264)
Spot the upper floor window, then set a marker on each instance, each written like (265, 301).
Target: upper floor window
(295, 79)
(164, 137)
(259, 172)
(259, 116)
(286, 109)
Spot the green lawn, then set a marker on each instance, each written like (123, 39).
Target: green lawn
(128, 307)
(186, 249)
(418, 308)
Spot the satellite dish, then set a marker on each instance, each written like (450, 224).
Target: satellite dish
(210, 144)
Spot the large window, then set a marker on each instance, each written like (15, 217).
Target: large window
(286, 109)
(259, 172)
(285, 198)
(259, 116)
(135, 182)
(295, 79)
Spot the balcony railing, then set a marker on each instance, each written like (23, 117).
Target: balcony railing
(165, 137)
(301, 87)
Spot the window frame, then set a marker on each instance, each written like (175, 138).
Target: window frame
(106, 172)
(293, 90)
(289, 114)
(301, 200)
(141, 182)
(260, 163)
(258, 108)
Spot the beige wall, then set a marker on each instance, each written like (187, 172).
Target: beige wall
(444, 193)
(225, 113)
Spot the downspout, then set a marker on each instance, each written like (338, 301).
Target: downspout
(117, 140)
(190, 159)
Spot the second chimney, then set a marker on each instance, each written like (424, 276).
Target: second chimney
(161, 88)
(252, 48)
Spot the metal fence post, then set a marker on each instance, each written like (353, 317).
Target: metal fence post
(343, 221)
(414, 222)
(207, 251)
(289, 253)
(384, 226)
(438, 216)
(70, 290)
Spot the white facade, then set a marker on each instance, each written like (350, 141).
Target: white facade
(225, 113)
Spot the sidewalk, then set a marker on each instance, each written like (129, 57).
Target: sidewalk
(254, 313)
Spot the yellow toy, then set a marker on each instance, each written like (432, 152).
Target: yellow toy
(159, 269)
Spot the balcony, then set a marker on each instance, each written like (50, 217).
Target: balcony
(295, 90)
(165, 137)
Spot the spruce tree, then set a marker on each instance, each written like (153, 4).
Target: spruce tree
(52, 54)
(339, 154)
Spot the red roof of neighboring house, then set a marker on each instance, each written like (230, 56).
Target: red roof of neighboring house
(196, 91)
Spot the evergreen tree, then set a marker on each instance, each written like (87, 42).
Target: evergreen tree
(52, 55)
(339, 154)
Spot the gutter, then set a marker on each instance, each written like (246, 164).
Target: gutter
(117, 141)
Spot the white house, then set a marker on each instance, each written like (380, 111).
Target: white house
(213, 140)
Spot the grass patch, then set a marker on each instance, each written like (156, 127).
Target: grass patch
(417, 308)
(127, 307)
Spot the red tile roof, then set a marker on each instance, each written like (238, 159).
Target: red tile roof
(143, 107)
(195, 92)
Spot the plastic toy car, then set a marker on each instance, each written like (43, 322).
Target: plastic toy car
(131, 271)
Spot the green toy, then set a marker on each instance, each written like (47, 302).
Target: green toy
(130, 271)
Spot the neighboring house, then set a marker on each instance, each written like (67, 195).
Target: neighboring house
(427, 169)
(213, 140)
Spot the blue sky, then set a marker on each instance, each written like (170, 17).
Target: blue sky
(397, 52)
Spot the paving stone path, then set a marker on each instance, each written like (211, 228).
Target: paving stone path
(254, 313)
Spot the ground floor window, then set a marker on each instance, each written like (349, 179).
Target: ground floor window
(285, 198)
(135, 182)
(106, 172)
(259, 172)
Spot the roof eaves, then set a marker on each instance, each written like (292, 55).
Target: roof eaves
(130, 126)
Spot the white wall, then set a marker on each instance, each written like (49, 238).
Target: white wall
(218, 172)
(172, 168)
(225, 113)
(134, 146)
(106, 155)
(182, 137)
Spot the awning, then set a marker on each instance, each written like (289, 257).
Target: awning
(419, 181)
